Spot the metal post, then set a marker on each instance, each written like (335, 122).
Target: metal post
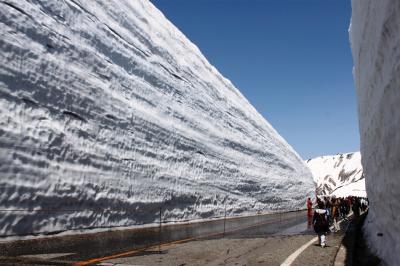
(159, 234)
(224, 221)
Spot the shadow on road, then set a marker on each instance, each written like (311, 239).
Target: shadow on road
(358, 252)
(102, 244)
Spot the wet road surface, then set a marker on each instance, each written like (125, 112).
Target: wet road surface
(266, 239)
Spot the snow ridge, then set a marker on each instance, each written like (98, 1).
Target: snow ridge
(338, 175)
(108, 112)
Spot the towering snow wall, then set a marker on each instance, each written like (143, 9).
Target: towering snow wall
(108, 112)
(338, 175)
(375, 41)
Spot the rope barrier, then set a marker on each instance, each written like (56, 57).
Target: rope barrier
(156, 213)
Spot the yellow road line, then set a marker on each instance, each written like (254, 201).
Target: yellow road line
(135, 251)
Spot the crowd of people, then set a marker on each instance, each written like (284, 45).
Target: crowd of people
(329, 210)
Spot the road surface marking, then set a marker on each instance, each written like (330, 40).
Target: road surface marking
(47, 256)
(135, 251)
(289, 260)
(132, 252)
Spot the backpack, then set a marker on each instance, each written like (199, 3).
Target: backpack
(321, 219)
(321, 223)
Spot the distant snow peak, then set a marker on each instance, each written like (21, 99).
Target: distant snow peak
(338, 175)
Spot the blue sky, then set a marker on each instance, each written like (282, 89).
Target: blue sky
(290, 58)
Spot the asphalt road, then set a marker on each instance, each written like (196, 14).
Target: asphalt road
(273, 232)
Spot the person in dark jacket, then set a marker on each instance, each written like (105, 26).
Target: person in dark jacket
(321, 224)
(356, 208)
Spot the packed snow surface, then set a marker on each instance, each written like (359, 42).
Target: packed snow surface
(108, 112)
(375, 42)
(338, 175)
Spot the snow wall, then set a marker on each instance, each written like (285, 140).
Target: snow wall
(108, 112)
(375, 41)
(338, 175)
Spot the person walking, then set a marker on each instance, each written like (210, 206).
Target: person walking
(335, 215)
(356, 208)
(328, 206)
(309, 207)
(321, 224)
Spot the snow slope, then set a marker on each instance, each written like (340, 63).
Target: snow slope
(375, 42)
(108, 112)
(339, 175)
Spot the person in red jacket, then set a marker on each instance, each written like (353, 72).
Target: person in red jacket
(309, 207)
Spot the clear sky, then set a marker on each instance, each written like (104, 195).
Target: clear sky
(290, 58)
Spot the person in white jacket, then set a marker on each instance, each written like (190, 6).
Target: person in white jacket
(321, 223)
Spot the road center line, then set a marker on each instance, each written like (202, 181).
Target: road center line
(289, 260)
